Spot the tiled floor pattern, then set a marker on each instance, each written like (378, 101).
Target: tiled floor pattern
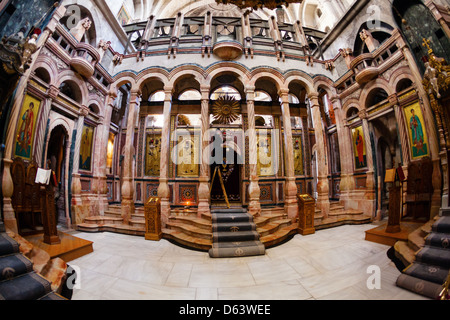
(331, 264)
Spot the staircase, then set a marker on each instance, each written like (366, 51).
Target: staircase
(112, 221)
(185, 227)
(21, 278)
(427, 255)
(234, 234)
(339, 216)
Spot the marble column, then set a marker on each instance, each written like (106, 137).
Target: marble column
(345, 152)
(163, 189)
(370, 174)
(128, 186)
(254, 191)
(77, 202)
(103, 139)
(203, 191)
(323, 187)
(290, 203)
(9, 217)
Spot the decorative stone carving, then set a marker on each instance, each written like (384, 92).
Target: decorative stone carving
(80, 30)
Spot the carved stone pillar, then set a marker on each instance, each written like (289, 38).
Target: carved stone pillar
(77, 203)
(370, 41)
(290, 203)
(81, 28)
(345, 151)
(9, 216)
(128, 187)
(103, 133)
(323, 188)
(370, 176)
(203, 191)
(254, 190)
(163, 189)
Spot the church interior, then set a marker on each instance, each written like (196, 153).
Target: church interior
(224, 149)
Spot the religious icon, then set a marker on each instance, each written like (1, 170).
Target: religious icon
(153, 155)
(188, 156)
(26, 127)
(123, 16)
(266, 164)
(86, 148)
(298, 156)
(417, 133)
(359, 147)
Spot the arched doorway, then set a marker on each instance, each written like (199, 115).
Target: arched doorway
(227, 138)
(56, 161)
(226, 177)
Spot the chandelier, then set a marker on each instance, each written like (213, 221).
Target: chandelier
(259, 4)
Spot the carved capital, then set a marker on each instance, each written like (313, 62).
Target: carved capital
(84, 111)
(53, 92)
(363, 114)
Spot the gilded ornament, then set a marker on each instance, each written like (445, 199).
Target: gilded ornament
(226, 109)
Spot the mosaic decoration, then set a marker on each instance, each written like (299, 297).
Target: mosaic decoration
(359, 148)
(418, 139)
(266, 192)
(27, 127)
(87, 140)
(152, 191)
(153, 155)
(187, 193)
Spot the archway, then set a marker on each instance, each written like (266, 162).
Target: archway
(56, 161)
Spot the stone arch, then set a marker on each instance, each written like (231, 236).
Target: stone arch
(46, 63)
(351, 104)
(301, 79)
(265, 81)
(72, 77)
(233, 77)
(378, 84)
(400, 75)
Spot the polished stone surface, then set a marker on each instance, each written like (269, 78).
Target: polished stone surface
(331, 264)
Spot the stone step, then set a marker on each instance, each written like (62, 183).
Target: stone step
(116, 228)
(268, 218)
(103, 220)
(274, 226)
(186, 240)
(334, 221)
(137, 223)
(343, 211)
(115, 214)
(336, 208)
(404, 252)
(279, 236)
(194, 221)
(416, 240)
(190, 230)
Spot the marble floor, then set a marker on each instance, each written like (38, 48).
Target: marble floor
(332, 264)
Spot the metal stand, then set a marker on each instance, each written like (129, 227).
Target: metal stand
(217, 172)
